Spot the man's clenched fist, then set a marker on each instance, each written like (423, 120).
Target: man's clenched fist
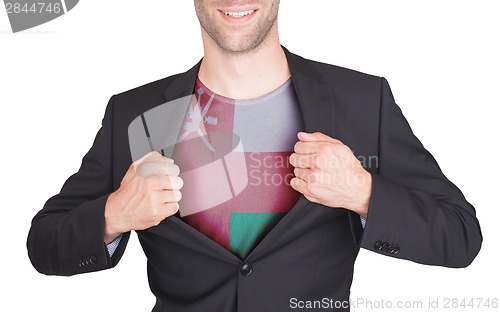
(148, 193)
(327, 172)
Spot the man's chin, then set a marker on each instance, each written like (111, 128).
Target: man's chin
(239, 46)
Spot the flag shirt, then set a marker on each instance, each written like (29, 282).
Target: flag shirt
(233, 157)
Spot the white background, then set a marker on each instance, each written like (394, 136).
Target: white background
(440, 58)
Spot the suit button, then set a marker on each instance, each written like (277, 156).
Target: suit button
(390, 249)
(396, 249)
(83, 263)
(378, 245)
(93, 260)
(384, 246)
(246, 269)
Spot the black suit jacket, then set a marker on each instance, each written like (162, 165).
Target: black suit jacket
(415, 212)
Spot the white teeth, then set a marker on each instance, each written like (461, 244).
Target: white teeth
(239, 14)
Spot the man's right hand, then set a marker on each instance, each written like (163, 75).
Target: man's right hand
(148, 193)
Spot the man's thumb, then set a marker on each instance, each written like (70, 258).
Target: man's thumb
(315, 136)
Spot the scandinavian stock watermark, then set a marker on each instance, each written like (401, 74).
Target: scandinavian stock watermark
(263, 169)
(217, 166)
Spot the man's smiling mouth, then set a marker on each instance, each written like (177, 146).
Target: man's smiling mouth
(239, 14)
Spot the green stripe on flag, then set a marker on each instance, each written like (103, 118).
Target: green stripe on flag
(247, 229)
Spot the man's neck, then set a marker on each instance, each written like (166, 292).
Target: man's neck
(244, 76)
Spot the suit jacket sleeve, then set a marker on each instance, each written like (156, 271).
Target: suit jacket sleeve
(67, 235)
(415, 212)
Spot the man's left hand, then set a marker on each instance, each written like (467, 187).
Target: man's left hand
(327, 172)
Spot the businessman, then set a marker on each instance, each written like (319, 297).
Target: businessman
(320, 162)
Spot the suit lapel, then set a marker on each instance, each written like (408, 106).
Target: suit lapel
(182, 84)
(318, 110)
(315, 98)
